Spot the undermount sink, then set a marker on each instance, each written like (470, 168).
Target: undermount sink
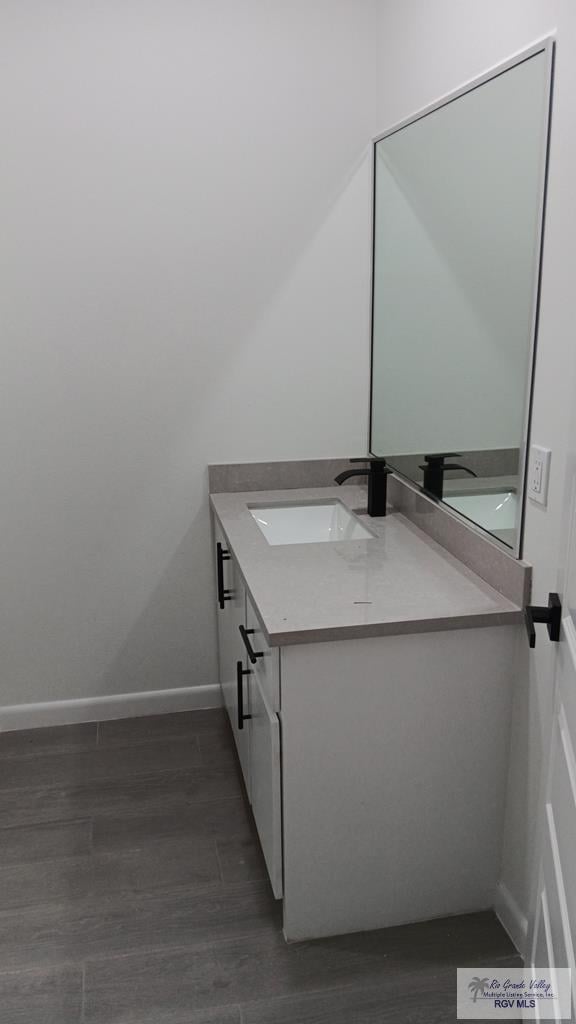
(312, 523)
(492, 511)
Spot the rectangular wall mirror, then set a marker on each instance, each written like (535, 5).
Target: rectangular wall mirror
(458, 210)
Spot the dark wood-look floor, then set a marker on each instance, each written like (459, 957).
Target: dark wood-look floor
(132, 891)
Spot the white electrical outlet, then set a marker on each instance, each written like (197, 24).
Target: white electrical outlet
(538, 474)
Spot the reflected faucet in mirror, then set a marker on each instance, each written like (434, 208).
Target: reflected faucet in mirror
(434, 468)
(377, 473)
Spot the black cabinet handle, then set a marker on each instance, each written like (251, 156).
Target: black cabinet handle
(240, 672)
(252, 654)
(550, 614)
(222, 556)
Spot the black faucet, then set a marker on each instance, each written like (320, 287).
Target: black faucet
(377, 473)
(434, 470)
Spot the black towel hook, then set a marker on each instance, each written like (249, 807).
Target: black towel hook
(550, 614)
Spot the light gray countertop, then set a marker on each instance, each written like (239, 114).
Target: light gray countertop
(400, 581)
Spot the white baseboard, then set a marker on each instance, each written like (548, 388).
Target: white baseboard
(103, 709)
(511, 918)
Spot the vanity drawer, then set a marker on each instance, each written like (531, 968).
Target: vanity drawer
(267, 668)
(265, 789)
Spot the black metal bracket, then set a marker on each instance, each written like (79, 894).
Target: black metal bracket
(222, 556)
(240, 673)
(550, 614)
(252, 654)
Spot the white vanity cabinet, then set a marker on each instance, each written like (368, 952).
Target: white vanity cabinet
(249, 679)
(376, 767)
(231, 595)
(395, 763)
(265, 777)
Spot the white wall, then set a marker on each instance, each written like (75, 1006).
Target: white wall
(184, 279)
(427, 50)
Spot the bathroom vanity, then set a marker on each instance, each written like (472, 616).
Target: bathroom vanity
(368, 684)
(368, 671)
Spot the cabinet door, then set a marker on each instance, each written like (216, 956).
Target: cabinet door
(230, 647)
(267, 666)
(265, 781)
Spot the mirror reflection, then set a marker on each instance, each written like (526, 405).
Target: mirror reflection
(457, 228)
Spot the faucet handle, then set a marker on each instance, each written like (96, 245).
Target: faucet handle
(436, 462)
(439, 457)
(376, 465)
(370, 458)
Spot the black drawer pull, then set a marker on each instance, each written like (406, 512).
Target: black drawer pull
(222, 556)
(240, 672)
(252, 654)
(550, 614)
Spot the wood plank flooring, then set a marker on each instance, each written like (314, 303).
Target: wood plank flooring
(132, 891)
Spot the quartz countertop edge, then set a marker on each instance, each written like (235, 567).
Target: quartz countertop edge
(399, 581)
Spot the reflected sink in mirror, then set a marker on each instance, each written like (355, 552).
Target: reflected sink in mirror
(311, 523)
(497, 513)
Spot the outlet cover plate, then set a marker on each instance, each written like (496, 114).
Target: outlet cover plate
(538, 474)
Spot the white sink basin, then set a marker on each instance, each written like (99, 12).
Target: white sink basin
(494, 512)
(309, 524)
